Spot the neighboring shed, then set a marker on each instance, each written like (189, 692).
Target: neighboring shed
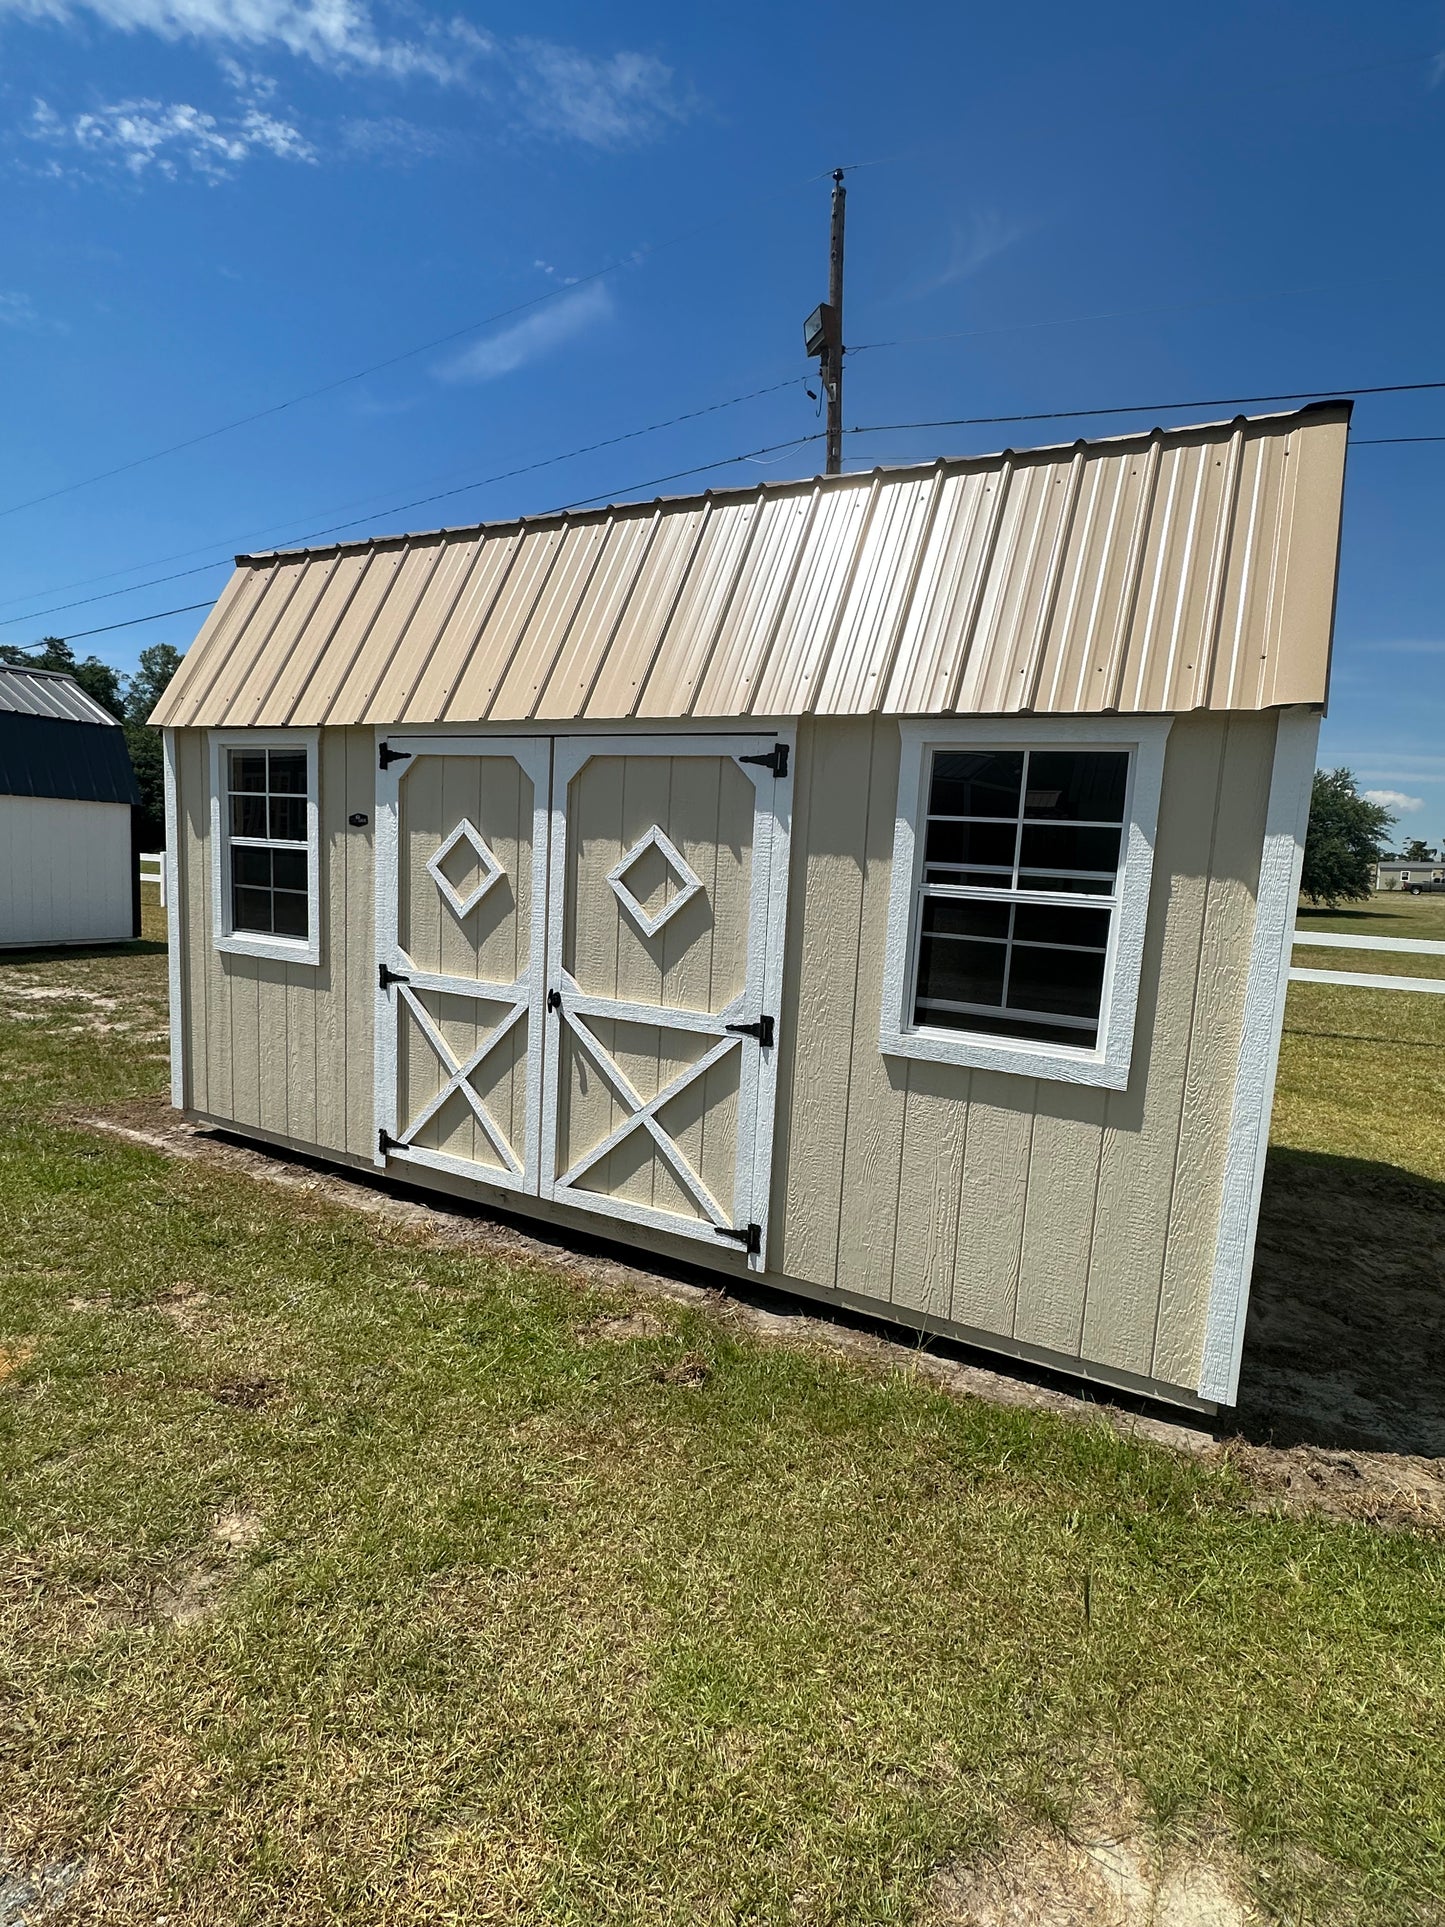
(68, 800)
(879, 883)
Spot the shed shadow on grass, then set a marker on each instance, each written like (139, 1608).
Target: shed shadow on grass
(81, 952)
(1345, 1344)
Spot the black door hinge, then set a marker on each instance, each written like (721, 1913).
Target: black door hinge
(776, 759)
(762, 1030)
(386, 978)
(389, 755)
(386, 1142)
(750, 1237)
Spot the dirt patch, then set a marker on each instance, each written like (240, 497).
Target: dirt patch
(1344, 1370)
(621, 1330)
(1345, 1347)
(15, 1355)
(198, 1591)
(243, 1394)
(186, 1307)
(690, 1369)
(1048, 1880)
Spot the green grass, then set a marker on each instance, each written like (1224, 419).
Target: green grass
(533, 1628)
(1362, 1072)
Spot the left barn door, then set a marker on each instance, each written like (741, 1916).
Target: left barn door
(461, 846)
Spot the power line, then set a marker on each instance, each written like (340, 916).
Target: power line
(420, 501)
(1150, 407)
(632, 259)
(609, 495)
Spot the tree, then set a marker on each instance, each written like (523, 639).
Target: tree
(143, 691)
(95, 677)
(1417, 852)
(1345, 837)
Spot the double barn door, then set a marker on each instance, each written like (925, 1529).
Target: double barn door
(579, 959)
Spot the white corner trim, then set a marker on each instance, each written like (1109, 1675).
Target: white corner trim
(1106, 1065)
(172, 861)
(1286, 821)
(243, 943)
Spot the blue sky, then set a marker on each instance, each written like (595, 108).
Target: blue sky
(212, 206)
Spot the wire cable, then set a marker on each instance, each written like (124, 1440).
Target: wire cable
(420, 501)
(1150, 407)
(633, 258)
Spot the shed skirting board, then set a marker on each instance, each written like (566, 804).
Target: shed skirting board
(174, 925)
(639, 1244)
(1269, 961)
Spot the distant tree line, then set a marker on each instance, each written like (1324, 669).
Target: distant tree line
(128, 698)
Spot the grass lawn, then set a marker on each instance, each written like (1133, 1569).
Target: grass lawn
(1362, 1072)
(352, 1575)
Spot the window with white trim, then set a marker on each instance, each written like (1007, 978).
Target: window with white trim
(1019, 893)
(1020, 868)
(264, 826)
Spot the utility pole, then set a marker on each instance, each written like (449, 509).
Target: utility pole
(833, 369)
(823, 331)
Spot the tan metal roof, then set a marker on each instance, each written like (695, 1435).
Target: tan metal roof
(1189, 568)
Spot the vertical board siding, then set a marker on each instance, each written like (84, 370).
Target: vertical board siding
(65, 871)
(1080, 1222)
(283, 1047)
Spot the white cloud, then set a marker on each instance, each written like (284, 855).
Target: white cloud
(388, 137)
(18, 311)
(338, 34)
(144, 136)
(604, 101)
(1395, 800)
(614, 101)
(972, 244)
(536, 334)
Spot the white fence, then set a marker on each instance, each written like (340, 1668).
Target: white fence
(153, 870)
(1410, 946)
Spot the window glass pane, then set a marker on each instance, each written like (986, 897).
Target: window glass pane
(1061, 848)
(288, 771)
(251, 910)
(248, 769)
(288, 869)
(976, 782)
(289, 912)
(250, 868)
(988, 845)
(1052, 923)
(248, 816)
(957, 970)
(1066, 981)
(1079, 785)
(957, 917)
(288, 818)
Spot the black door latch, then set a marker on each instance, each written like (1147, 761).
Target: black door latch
(554, 1000)
(776, 759)
(750, 1237)
(762, 1030)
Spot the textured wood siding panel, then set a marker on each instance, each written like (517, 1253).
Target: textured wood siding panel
(280, 1047)
(1074, 1221)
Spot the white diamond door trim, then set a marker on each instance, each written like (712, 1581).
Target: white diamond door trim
(525, 996)
(492, 870)
(761, 993)
(655, 839)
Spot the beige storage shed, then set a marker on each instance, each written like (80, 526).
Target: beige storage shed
(880, 884)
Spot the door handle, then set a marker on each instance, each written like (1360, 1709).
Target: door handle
(554, 1000)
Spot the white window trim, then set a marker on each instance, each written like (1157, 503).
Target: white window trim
(246, 943)
(1105, 1064)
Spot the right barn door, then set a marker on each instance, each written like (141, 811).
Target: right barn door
(666, 893)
